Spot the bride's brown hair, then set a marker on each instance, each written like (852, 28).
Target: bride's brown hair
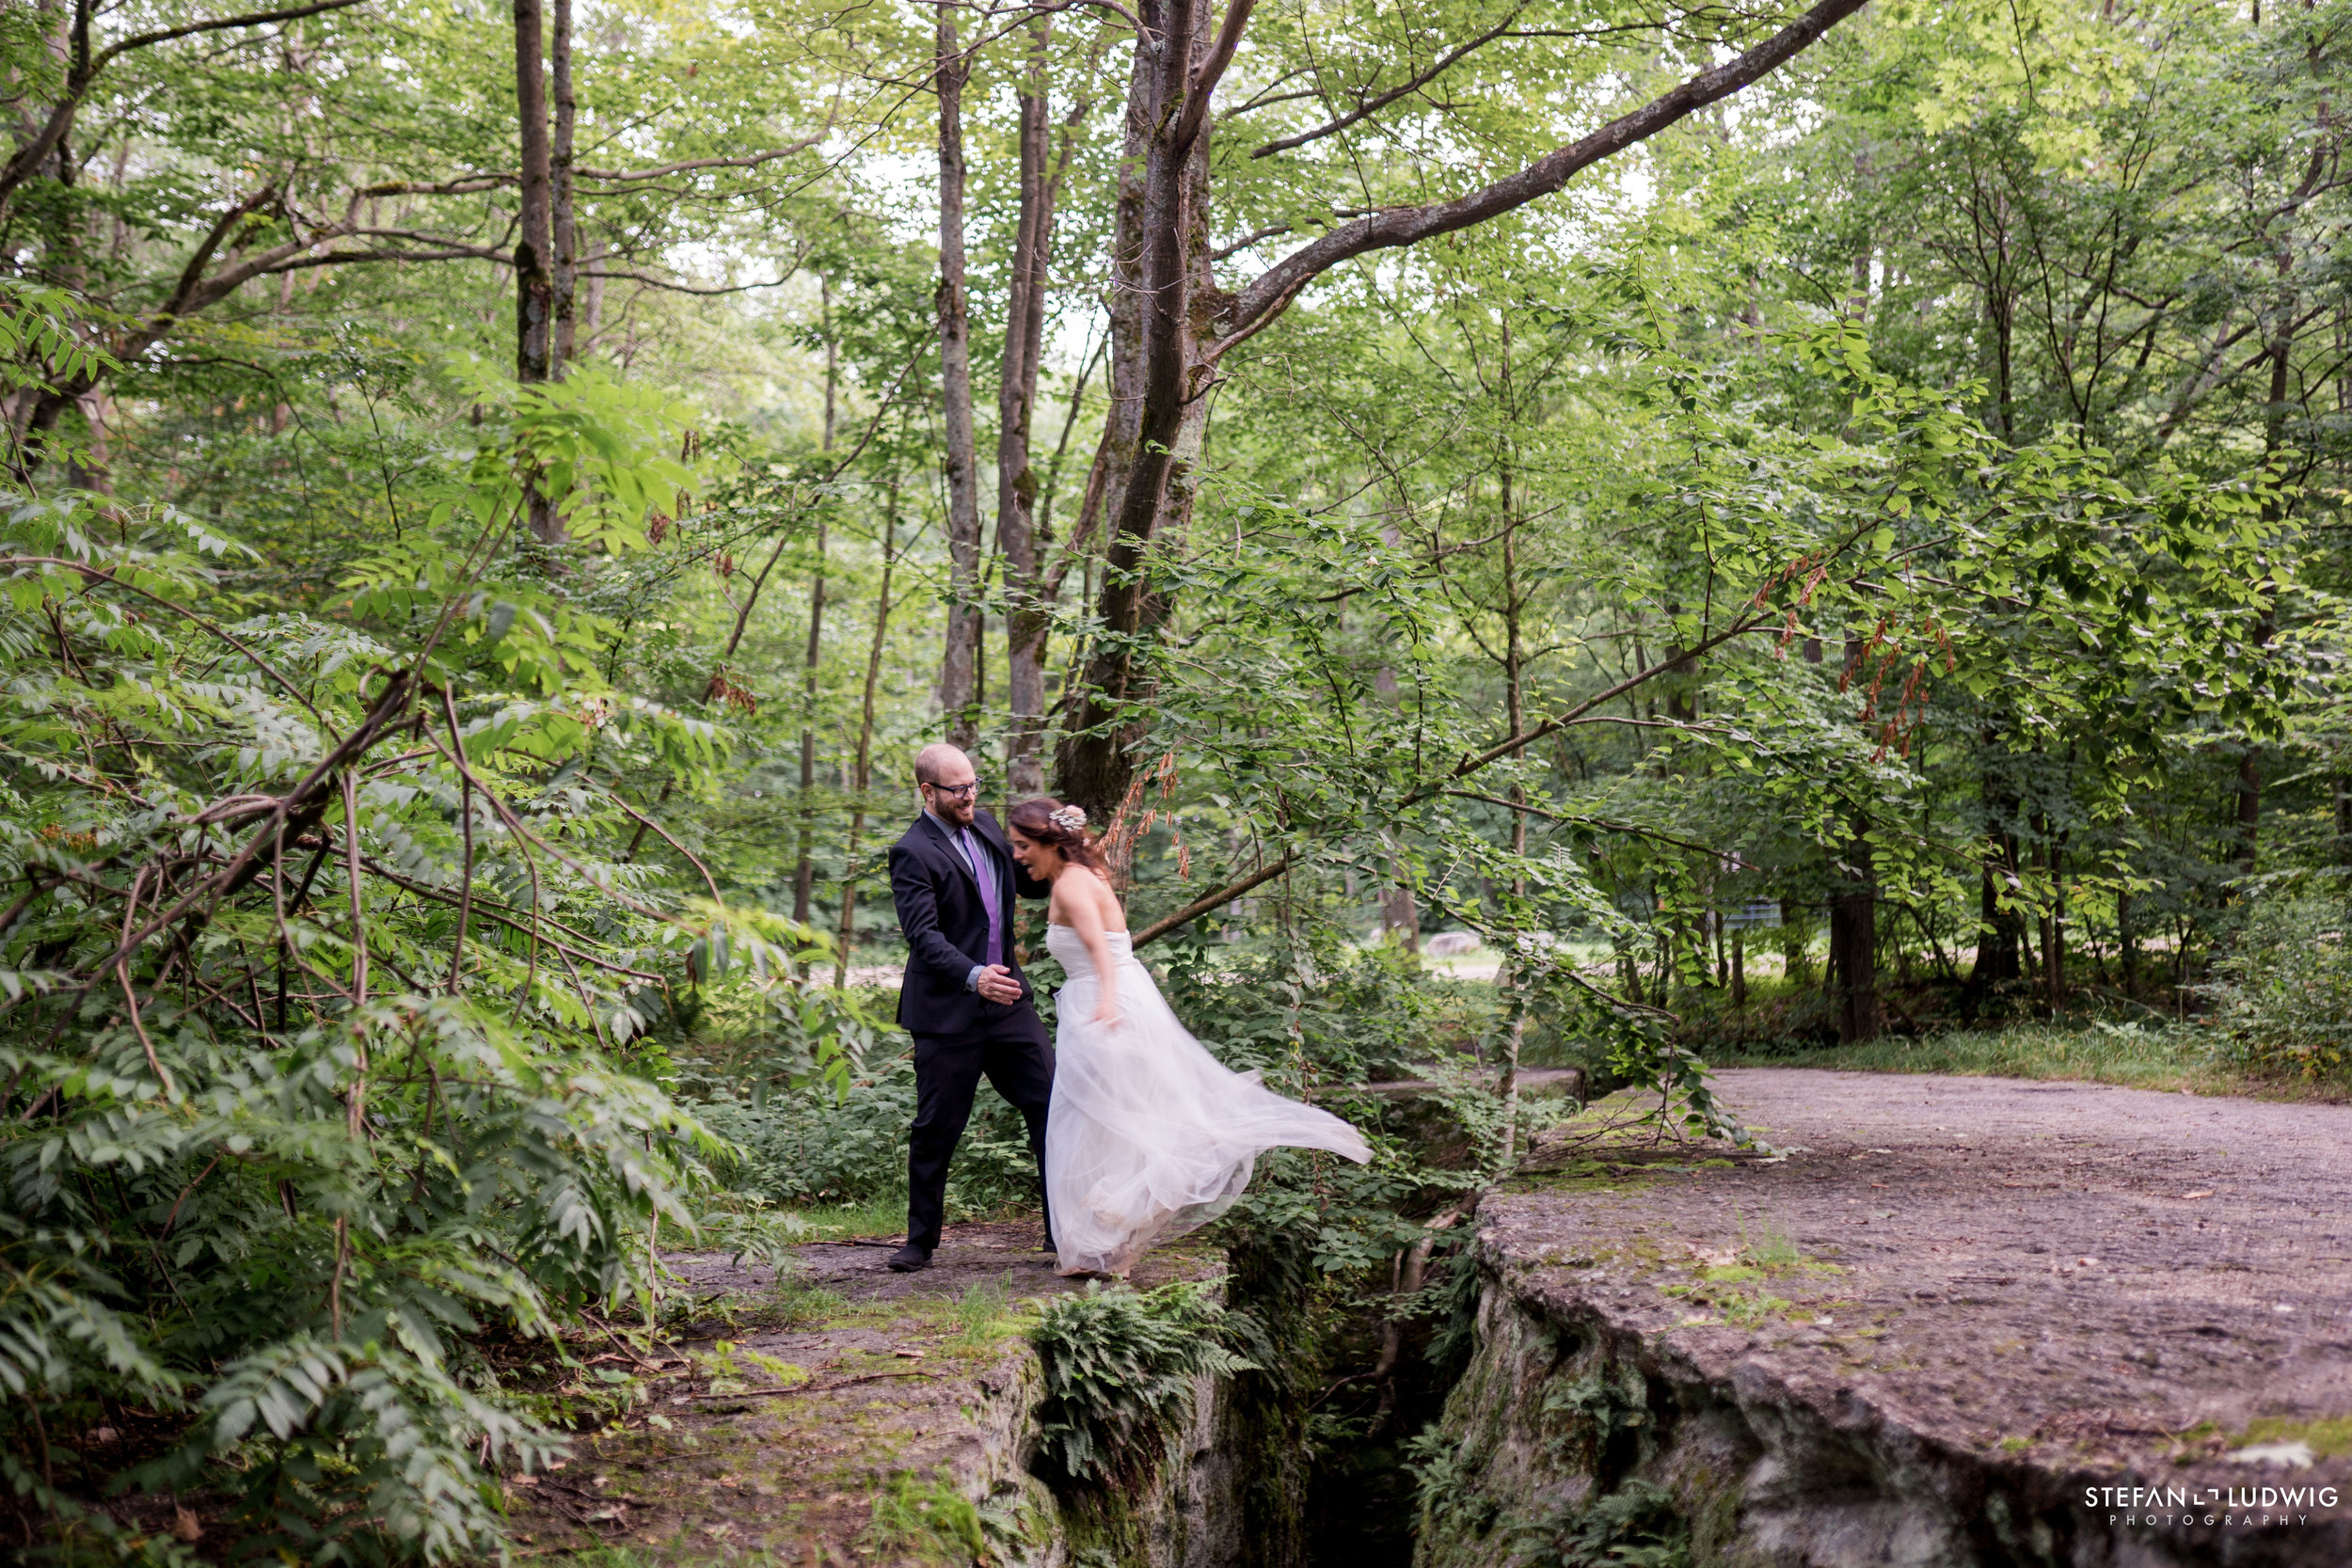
(1035, 819)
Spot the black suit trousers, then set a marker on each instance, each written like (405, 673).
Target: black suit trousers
(1007, 1043)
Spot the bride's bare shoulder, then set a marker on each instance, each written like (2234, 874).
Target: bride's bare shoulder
(1096, 889)
(1107, 901)
(1076, 878)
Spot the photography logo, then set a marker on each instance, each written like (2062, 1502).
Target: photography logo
(2232, 1506)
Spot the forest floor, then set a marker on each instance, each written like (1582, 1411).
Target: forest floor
(2091, 1281)
(824, 1412)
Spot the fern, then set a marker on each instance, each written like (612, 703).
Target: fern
(277, 1143)
(1121, 1367)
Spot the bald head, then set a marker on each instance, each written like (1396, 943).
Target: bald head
(940, 763)
(943, 775)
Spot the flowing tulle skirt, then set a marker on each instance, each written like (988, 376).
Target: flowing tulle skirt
(1149, 1135)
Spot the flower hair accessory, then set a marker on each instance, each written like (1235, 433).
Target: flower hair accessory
(1069, 819)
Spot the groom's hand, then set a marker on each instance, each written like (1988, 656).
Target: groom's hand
(997, 985)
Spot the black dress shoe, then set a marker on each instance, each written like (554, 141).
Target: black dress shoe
(908, 1259)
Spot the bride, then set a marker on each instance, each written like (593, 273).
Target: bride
(1148, 1135)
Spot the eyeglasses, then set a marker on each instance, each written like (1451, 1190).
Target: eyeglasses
(957, 792)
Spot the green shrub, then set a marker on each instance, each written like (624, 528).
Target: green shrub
(1120, 1366)
(2286, 991)
(327, 1073)
(812, 1144)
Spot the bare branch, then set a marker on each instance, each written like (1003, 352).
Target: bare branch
(1204, 86)
(31, 155)
(1250, 239)
(623, 177)
(1371, 106)
(1274, 289)
(1225, 895)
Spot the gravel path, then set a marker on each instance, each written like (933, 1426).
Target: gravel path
(2109, 1286)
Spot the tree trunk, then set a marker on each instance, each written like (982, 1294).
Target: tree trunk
(1400, 915)
(2054, 930)
(804, 872)
(959, 658)
(1996, 928)
(1165, 308)
(1026, 618)
(862, 779)
(2001, 305)
(565, 231)
(1854, 942)
(1160, 242)
(2127, 945)
(534, 285)
(1515, 716)
(534, 282)
(2250, 775)
(1738, 970)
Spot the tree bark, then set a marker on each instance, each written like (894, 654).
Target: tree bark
(1996, 928)
(1027, 620)
(534, 285)
(1853, 921)
(1853, 940)
(1160, 242)
(2249, 767)
(2054, 930)
(534, 282)
(565, 231)
(805, 871)
(959, 658)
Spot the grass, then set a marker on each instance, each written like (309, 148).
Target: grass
(2329, 1438)
(984, 1319)
(2167, 1057)
(796, 1303)
(879, 1216)
(926, 1519)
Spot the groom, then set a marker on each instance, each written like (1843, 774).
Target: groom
(963, 1000)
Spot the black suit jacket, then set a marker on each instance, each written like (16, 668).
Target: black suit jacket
(946, 926)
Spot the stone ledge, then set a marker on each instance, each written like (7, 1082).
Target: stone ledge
(1953, 1309)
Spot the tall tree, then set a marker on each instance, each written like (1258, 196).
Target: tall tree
(1187, 324)
(535, 280)
(804, 868)
(564, 280)
(1027, 613)
(958, 665)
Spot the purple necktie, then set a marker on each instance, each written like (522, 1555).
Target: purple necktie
(983, 872)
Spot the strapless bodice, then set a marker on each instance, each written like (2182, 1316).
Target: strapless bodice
(1076, 962)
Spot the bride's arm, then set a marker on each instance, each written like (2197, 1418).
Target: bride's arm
(1084, 915)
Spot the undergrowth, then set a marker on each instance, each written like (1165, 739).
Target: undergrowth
(1120, 1372)
(2144, 1055)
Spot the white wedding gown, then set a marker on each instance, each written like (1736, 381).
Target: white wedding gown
(1149, 1135)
